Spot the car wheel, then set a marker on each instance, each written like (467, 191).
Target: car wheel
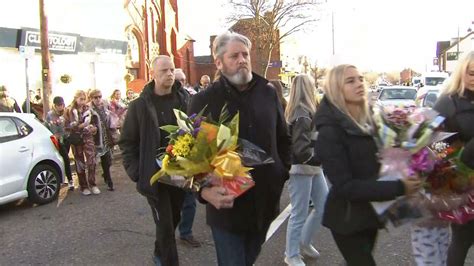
(43, 184)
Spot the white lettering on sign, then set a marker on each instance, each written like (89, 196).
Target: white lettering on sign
(57, 42)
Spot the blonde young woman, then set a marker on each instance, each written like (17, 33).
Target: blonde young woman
(78, 118)
(118, 108)
(457, 104)
(306, 178)
(348, 153)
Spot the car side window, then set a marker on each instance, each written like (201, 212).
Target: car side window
(25, 129)
(12, 128)
(8, 129)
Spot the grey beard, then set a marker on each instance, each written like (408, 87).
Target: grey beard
(239, 78)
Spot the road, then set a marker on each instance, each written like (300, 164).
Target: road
(116, 228)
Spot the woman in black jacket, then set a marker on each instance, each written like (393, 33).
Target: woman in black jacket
(348, 153)
(457, 104)
(306, 177)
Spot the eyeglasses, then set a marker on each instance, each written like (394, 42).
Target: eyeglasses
(97, 97)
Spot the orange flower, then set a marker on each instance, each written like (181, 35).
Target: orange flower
(169, 148)
(209, 130)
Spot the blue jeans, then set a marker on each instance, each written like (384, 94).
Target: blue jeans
(237, 249)
(301, 226)
(188, 212)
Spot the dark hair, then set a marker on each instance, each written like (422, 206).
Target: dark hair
(58, 100)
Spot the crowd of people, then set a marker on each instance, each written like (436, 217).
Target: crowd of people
(311, 142)
(89, 127)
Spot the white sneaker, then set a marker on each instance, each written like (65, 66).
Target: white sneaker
(309, 251)
(294, 261)
(86, 192)
(95, 190)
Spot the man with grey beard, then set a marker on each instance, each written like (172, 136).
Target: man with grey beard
(239, 225)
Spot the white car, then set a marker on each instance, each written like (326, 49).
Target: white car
(397, 95)
(30, 164)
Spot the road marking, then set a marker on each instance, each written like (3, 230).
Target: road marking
(278, 222)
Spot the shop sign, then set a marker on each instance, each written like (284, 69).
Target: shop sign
(57, 42)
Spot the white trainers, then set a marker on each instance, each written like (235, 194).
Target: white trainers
(294, 261)
(86, 192)
(309, 251)
(95, 190)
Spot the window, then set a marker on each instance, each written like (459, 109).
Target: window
(7, 127)
(12, 128)
(25, 129)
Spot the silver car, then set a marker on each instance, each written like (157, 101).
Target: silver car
(30, 164)
(396, 95)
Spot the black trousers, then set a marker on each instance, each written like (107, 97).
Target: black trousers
(462, 238)
(166, 211)
(357, 248)
(106, 162)
(64, 152)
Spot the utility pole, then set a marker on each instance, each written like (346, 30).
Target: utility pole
(45, 74)
(457, 45)
(332, 23)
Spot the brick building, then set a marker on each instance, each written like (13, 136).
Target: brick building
(205, 64)
(153, 29)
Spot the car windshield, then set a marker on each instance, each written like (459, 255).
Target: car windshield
(434, 81)
(398, 94)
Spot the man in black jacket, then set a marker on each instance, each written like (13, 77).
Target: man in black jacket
(239, 225)
(142, 140)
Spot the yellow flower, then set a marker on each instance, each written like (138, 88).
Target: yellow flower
(183, 145)
(166, 161)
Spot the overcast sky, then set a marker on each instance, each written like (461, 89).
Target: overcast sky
(382, 35)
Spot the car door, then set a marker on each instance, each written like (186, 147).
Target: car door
(16, 155)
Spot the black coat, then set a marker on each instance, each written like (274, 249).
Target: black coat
(349, 160)
(303, 135)
(262, 123)
(140, 137)
(459, 113)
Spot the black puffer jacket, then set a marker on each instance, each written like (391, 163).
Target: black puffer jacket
(349, 159)
(459, 113)
(140, 137)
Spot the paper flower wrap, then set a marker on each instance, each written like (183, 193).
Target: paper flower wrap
(404, 134)
(201, 151)
(452, 178)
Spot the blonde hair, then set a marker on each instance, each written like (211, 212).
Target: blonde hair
(73, 105)
(333, 91)
(301, 96)
(77, 95)
(456, 84)
(112, 96)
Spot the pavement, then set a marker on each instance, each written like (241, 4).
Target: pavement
(116, 228)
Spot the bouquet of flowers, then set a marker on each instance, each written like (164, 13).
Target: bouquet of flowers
(451, 178)
(404, 135)
(201, 151)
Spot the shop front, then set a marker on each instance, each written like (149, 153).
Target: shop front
(76, 62)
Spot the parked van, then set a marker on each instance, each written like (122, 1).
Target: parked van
(430, 81)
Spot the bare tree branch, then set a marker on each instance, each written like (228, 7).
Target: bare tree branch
(268, 22)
